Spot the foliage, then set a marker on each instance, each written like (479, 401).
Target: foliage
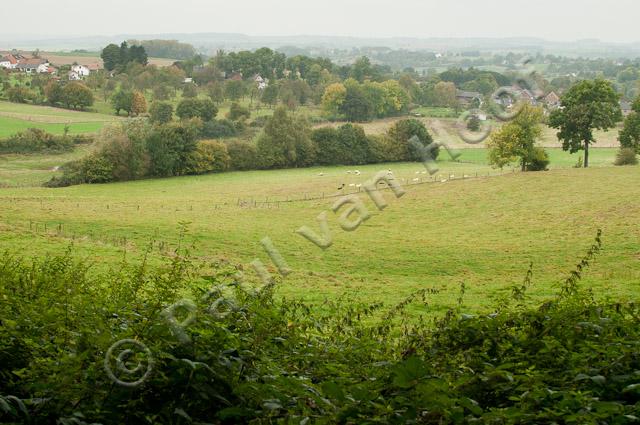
(630, 133)
(35, 140)
(170, 49)
(516, 141)
(118, 58)
(587, 105)
(204, 109)
(138, 103)
(345, 145)
(249, 357)
(218, 129)
(170, 147)
(122, 100)
(626, 156)
(161, 112)
(285, 142)
(238, 112)
(209, 156)
(244, 155)
(20, 94)
(403, 131)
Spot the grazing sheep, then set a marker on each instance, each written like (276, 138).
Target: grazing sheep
(348, 172)
(443, 181)
(417, 172)
(357, 172)
(358, 185)
(341, 186)
(321, 174)
(352, 185)
(416, 180)
(424, 172)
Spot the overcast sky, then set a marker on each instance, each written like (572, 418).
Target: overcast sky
(562, 20)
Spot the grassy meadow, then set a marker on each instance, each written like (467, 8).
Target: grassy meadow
(15, 117)
(481, 231)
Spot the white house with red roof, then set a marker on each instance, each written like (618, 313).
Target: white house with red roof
(8, 62)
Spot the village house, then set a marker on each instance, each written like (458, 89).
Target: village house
(261, 82)
(469, 98)
(33, 65)
(8, 62)
(81, 70)
(552, 100)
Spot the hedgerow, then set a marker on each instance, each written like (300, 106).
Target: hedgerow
(225, 353)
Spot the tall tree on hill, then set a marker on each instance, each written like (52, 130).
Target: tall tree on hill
(588, 105)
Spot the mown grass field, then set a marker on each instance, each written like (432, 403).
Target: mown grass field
(16, 117)
(483, 232)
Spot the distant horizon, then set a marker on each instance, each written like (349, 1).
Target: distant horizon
(612, 22)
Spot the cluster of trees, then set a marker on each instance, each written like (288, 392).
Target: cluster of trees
(170, 49)
(73, 95)
(139, 148)
(356, 101)
(118, 57)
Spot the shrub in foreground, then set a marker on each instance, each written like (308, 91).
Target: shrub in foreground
(221, 352)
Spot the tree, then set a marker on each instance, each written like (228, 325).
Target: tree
(161, 112)
(20, 94)
(197, 108)
(190, 90)
(333, 98)
(356, 106)
(516, 141)
(170, 147)
(445, 95)
(586, 106)
(110, 57)
(401, 134)
(53, 92)
(630, 133)
(285, 142)
(76, 95)
(234, 89)
(122, 100)
(238, 113)
(270, 94)
(138, 103)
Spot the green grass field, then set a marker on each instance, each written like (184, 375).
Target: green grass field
(480, 231)
(16, 117)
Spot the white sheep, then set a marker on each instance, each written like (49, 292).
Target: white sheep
(320, 174)
(352, 185)
(357, 172)
(416, 180)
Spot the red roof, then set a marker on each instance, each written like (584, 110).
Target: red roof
(11, 59)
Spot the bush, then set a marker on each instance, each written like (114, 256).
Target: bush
(20, 94)
(626, 156)
(209, 156)
(243, 155)
(36, 140)
(238, 113)
(204, 109)
(218, 129)
(161, 112)
(538, 161)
